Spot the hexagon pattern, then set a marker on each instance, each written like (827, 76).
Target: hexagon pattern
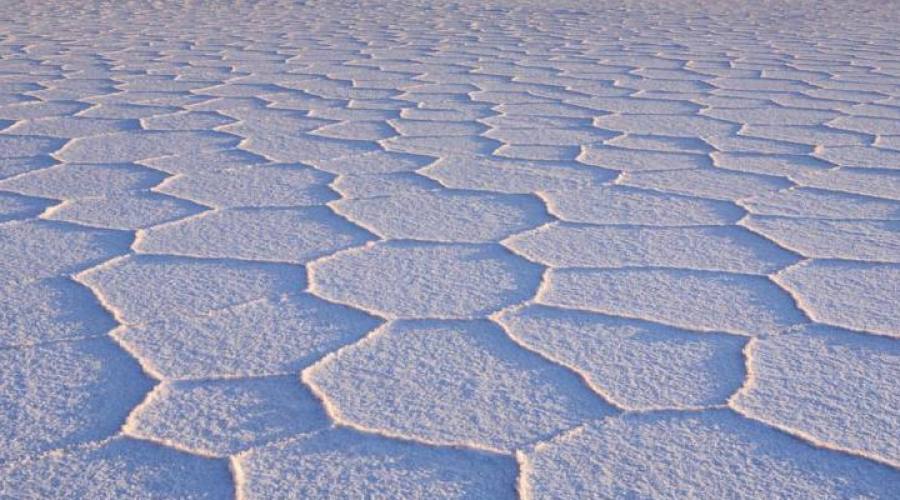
(450, 249)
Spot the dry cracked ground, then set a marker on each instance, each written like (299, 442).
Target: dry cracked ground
(450, 249)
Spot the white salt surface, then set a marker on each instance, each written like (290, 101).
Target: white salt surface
(450, 249)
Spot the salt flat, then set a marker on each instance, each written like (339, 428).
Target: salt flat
(450, 249)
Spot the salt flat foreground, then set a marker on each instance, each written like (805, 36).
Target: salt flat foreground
(378, 249)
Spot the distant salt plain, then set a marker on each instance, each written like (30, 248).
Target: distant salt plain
(450, 249)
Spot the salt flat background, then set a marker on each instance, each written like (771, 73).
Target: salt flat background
(381, 249)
